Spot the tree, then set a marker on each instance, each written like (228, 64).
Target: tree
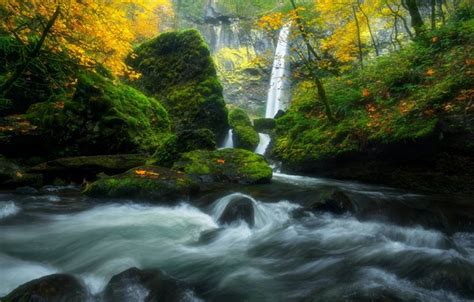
(90, 31)
(416, 19)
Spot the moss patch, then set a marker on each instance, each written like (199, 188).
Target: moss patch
(146, 182)
(227, 165)
(103, 117)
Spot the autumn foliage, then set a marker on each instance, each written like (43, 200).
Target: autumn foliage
(92, 31)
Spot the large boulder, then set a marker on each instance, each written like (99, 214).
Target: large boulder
(145, 182)
(245, 136)
(87, 167)
(225, 166)
(264, 125)
(102, 117)
(144, 285)
(238, 209)
(57, 287)
(177, 68)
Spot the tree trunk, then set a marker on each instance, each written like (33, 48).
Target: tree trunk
(359, 41)
(372, 37)
(416, 20)
(8, 85)
(433, 14)
(312, 67)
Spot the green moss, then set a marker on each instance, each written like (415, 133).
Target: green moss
(103, 117)
(147, 182)
(239, 117)
(264, 124)
(227, 165)
(246, 137)
(178, 69)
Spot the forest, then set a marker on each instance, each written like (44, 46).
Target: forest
(236, 150)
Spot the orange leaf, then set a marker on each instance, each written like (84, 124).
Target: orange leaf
(365, 92)
(221, 161)
(430, 72)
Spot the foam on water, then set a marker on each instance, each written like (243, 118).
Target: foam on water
(8, 208)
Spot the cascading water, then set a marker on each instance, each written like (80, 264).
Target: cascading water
(278, 90)
(229, 140)
(263, 144)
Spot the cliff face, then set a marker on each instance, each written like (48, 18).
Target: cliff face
(242, 53)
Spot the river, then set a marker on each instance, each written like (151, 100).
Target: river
(395, 245)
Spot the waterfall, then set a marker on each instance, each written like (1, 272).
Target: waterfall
(229, 140)
(277, 96)
(263, 145)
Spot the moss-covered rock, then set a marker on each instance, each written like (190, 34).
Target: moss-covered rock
(239, 117)
(178, 69)
(264, 125)
(145, 182)
(103, 117)
(226, 166)
(246, 137)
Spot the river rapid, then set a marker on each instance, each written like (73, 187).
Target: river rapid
(395, 245)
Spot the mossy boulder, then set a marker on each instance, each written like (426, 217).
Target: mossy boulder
(225, 166)
(102, 117)
(239, 117)
(264, 125)
(177, 68)
(245, 136)
(145, 182)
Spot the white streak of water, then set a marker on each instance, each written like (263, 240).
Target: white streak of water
(263, 144)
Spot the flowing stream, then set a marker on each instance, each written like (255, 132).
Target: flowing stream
(229, 140)
(278, 90)
(283, 257)
(263, 144)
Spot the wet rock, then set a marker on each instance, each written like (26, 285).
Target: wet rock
(26, 191)
(225, 166)
(144, 285)
(145, 182)
(239, 209)
(52, 288)
(335, 202)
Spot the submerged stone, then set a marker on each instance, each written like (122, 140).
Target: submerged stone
(145, 182)
(225, 166)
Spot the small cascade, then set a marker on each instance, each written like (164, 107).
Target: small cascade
(263, 144)
(277, 92)
(229, 140)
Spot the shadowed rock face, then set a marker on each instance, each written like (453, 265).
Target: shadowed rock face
(143, 285)
(57, 287)
(239, 209)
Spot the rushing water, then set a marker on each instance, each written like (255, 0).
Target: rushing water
(263, 144)
(320, 256)
(229, 140)
(277, 92)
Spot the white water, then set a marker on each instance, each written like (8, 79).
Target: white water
(280, 259)
(278, 90)
(263, 144)
(229, 140)
(7, 209)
